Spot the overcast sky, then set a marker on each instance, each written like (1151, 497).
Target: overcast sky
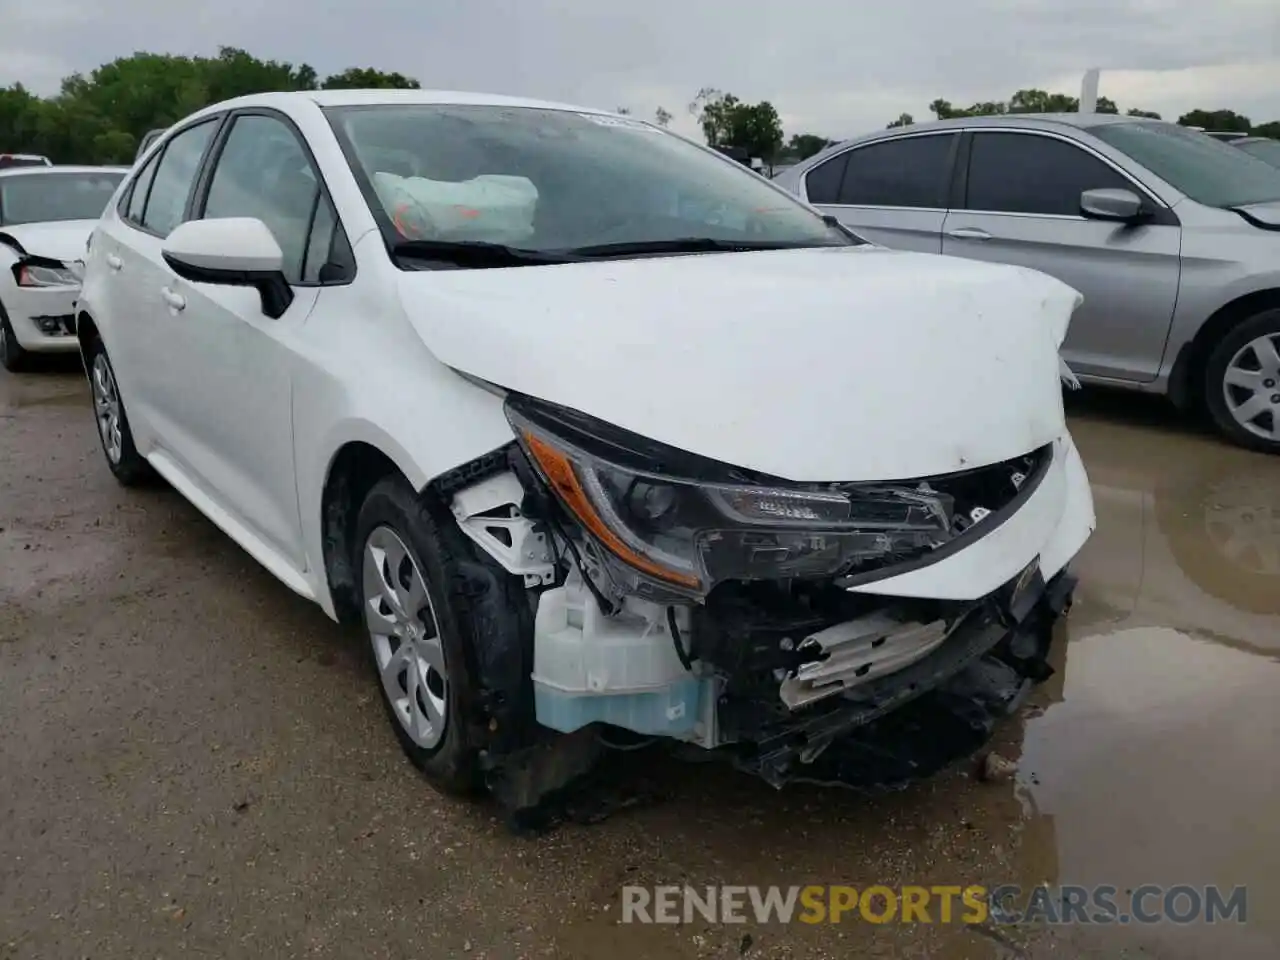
(835, 67)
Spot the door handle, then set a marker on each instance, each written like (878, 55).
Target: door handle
(968, 233)
(114, 262)
(176, 301)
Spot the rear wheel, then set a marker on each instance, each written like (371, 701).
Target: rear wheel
(405, 572)
(1242, 383)
(123, 459)
(12, 357)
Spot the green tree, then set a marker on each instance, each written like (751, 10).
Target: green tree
(366, 78)
(1149, 114)
(727, 121)
(904, 120)
(662, 117)
(1216, 120)
(1270, 129)
(801, 146)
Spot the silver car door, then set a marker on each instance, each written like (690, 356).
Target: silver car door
(1022, 206)
(892, 191)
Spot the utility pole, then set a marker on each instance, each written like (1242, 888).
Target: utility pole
(1089, 92)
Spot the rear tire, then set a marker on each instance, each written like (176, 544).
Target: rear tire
(12, 356)
(1242, 383)
(128, 466)
(406, 576)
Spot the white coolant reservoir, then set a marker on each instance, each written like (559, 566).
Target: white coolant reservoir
(622, 670)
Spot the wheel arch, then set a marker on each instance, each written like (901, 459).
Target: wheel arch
(1186, 382)
(86, 331)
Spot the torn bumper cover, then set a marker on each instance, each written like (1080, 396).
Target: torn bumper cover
(910, 722)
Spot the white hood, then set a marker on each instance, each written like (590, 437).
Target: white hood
(62, 240)
(834, 364)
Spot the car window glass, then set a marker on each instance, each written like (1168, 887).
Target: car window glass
(822, 183)
(173, 178)
(907, 172)
(1207, 170)
(1028, 173)
(557, 180)
(325, 245)
(138, 192)
(264, 172)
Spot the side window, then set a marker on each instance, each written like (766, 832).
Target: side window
(1028, 173)
(264, 172)
(822, 183)
(328, 256)
(905, 172)
(173, 178)
(138, 192)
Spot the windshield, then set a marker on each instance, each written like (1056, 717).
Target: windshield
(1268, 150)
(552, 180)
(46, 197)
(1208, 171)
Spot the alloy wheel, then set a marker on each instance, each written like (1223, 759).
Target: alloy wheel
(1251, 387)
(406, 638)
(106, 406)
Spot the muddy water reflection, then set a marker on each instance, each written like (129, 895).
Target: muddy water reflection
(1154, 761)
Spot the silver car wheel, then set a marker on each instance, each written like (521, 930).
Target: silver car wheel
(405, 637)
(1251, 387)
(106, 406)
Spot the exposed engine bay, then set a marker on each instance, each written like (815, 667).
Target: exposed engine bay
(722, 618)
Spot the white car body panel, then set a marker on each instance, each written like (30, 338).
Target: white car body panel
(65, 241)
(742, 358)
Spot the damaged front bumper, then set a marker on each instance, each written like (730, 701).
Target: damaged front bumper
(911, 722)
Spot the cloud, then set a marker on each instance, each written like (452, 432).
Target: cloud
(829, 66)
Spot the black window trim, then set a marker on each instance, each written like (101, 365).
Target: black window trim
(204, 179)
(1162, 213)
(122, 207)
(845, 154)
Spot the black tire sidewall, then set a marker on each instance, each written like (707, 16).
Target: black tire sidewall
(1267, 321)
(14, 356)
(452, 763)
(133, 467)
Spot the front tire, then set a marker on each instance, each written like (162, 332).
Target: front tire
(12, 356)
(1242, 383)
(128, 466)
(406, 571)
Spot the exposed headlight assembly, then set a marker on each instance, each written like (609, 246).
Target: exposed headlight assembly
(43, 273)
(672, 522)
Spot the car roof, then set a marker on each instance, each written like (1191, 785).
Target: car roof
(356, 98)
(67, 168)
(1014, 121)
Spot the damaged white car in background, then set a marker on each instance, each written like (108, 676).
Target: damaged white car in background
(598, 435)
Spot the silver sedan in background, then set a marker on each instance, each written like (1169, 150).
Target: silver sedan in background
(1172, 237)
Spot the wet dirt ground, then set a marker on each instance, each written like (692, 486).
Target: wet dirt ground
(193, 761)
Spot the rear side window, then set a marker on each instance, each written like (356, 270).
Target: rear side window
(905, 172)
(1029, 173)
(175, 174)
(822, 183)
(139, 190)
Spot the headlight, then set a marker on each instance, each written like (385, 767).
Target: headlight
(689, 529)
(44, 275)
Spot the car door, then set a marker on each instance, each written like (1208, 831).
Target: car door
(231, 417)
(140, 331)
(892, 191)
(1021, 205)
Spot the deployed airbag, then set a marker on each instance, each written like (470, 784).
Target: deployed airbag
(493, 207)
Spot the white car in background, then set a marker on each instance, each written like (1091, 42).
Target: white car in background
(46, 216)
(597, 435)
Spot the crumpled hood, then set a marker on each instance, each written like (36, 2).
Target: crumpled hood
(63, 240)
(833, 364)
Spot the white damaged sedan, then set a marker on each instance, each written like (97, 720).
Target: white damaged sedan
(597, 435)
(46, 215)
